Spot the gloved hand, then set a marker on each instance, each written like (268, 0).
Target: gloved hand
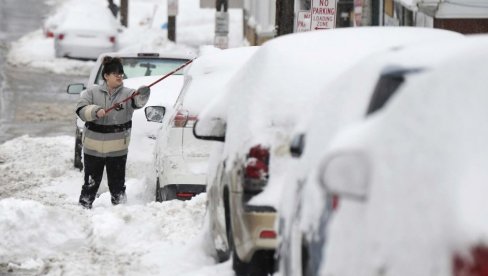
(144, 90)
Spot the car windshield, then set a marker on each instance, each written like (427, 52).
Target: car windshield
(139, 67)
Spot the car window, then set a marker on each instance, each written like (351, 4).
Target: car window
(140, 67)
(387, 86)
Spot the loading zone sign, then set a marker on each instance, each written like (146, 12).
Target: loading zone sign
(323, 14)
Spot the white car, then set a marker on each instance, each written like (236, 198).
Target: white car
(411, 180)
(85, 33)
(343, 102)
(135, 65)
(181, 159)
(262, 105)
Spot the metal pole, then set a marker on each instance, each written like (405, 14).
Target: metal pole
(284, 16)
(124, 11)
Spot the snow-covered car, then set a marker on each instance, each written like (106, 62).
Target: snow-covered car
(85, 33)
(255, 118)
(181, 159)
(135, 65)
(377, 78)
(411, 180)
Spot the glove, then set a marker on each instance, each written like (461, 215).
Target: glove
(144, 90)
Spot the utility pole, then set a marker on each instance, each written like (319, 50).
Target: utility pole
(221, 24)
(172, 13)
(124, 11)
(284, 16)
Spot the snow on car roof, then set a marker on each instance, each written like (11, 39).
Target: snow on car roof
(208, 75)
(278, 84)
(96, 19)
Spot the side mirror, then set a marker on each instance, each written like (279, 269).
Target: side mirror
(155, 113)
(75, 88)
(346, 175)
(213, 129)
(297, 145)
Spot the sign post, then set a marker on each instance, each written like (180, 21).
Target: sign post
(323, 14)
(221, 24)
(303, 21)
(172, 13)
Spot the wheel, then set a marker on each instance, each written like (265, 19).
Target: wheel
(77, 161)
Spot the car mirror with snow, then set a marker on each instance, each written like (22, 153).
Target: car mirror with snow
(75, 88)
(155, 113)
(345, 174)
(213, 129)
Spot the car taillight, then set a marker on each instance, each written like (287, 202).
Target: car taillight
(267, 234)
(334, 201)
(183, 119)
(183, 195)
(256, 171)
(60, 36)
(473, 264)
(112, 39)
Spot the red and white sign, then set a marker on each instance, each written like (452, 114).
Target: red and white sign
(172, 7)
(358, 12)
(323, 14)
(303, 21)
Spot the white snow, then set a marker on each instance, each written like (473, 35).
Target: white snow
(280, 84)
(427, 156)
(44, 230)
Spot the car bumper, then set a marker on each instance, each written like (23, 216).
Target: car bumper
(252, 228)
(184, 192)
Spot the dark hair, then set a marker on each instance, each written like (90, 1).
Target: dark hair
(112, 65)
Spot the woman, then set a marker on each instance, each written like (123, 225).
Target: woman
(107, 134)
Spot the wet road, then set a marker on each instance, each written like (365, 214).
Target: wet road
(32, 102)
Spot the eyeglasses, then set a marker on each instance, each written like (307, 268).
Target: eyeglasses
(117, 74)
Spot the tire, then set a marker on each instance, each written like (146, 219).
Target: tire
(77, 160)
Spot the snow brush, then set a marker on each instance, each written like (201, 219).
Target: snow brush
(115, 105)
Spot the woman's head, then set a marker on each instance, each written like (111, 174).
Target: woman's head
(113, 71)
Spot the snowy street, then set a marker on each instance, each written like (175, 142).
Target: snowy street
(46, 232)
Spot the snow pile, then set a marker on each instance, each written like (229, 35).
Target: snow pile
(46, 232)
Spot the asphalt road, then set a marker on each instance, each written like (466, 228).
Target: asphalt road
(32, 102)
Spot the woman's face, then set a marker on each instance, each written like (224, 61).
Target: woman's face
(114, 80)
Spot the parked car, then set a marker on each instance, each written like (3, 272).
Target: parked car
(84, 33)
(181, 159)
(377, 78)
(135, 65)
(254, 119)
(411, 180)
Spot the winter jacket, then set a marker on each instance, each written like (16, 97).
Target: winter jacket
(108, 136)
